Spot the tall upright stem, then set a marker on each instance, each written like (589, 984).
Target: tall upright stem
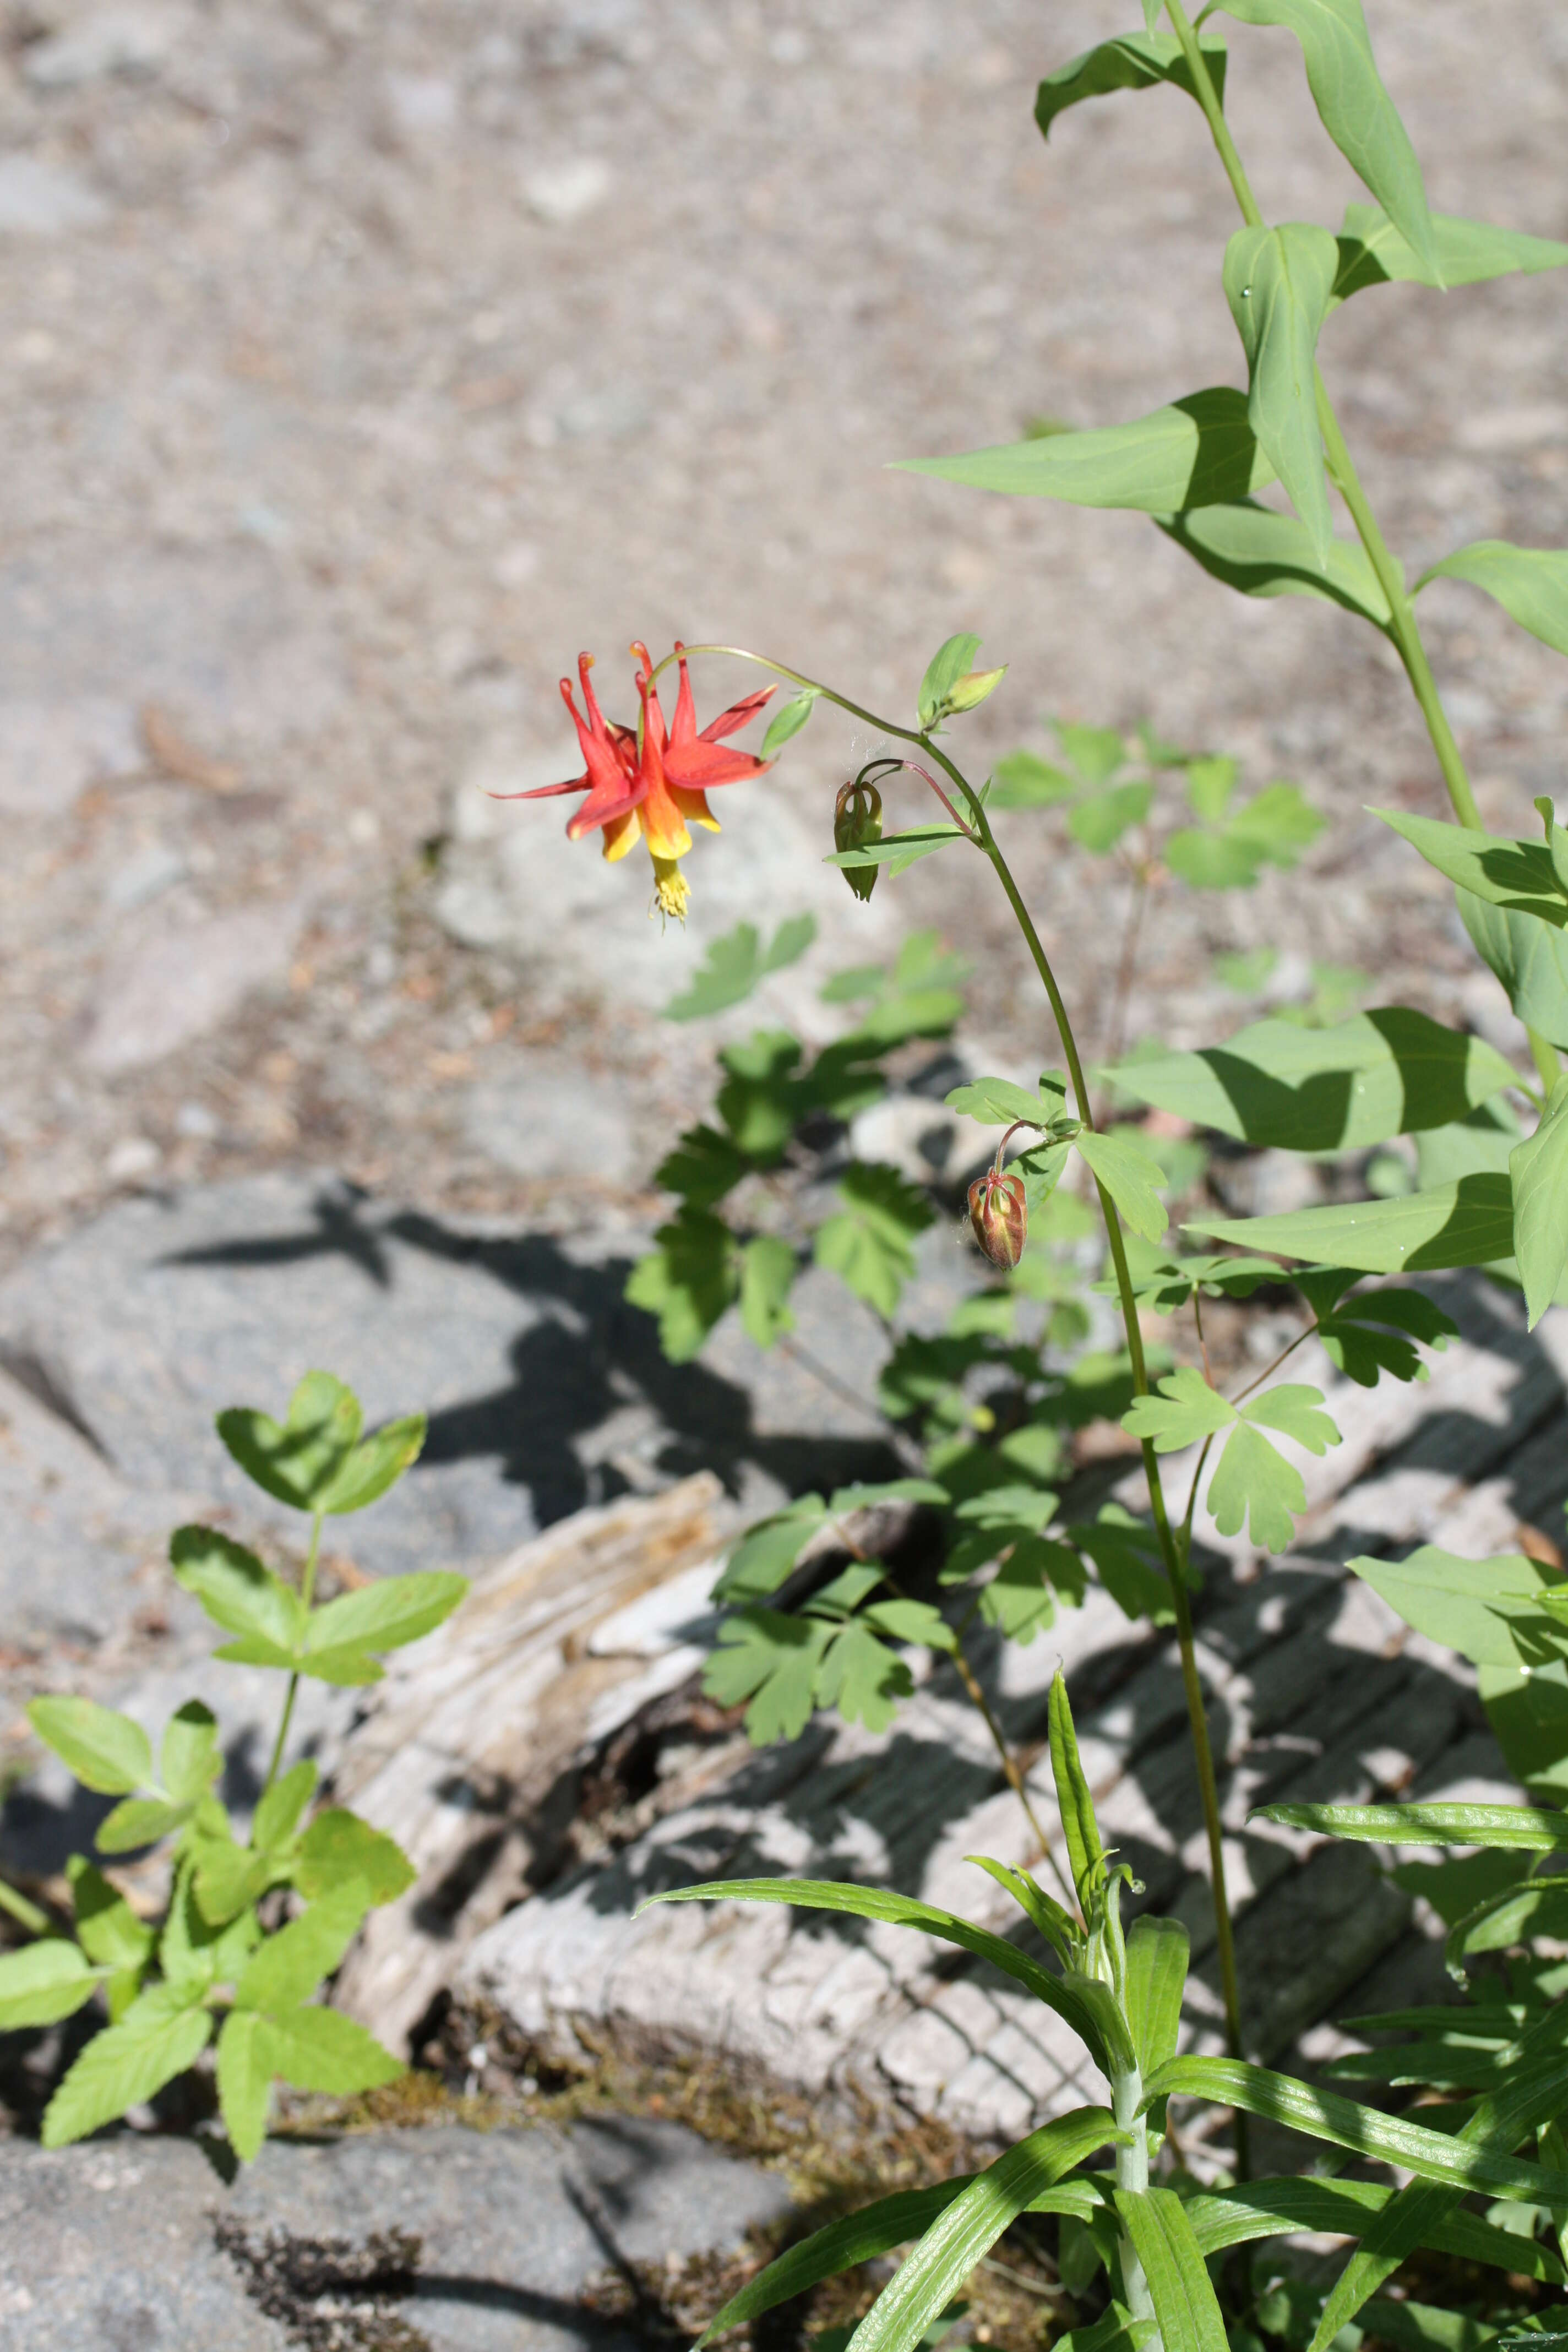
(1171, 1552)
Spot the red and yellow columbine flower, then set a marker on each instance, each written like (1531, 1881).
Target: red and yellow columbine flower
(654, 781)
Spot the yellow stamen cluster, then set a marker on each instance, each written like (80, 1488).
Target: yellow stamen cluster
(671, 892)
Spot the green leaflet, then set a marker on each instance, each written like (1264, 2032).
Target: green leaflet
(1380, 1074)
(1262, 553)
(1530, 959)
(972, 2224)
(245, 2071)
(1198, 452)
(944, 673)
(1488, 1610)
(1128, 1172)
(1131, 61)
(1266, 2208)
(903, 1911)
(1278, 282)
(337, 1846)
(1355, 109)
(385, 1615)
(785, 722)
(159, 2036)
(1538, 1169)
(768, 1270)
(868, 1243)
(296, 1460)
(238, 1592)
(1251, 1476)
(1503, 872)
(1468, 1222)
(319, 2049)
(1530, 583)
(106, 1751)
(900, 850)
(858, 2237)
(287, 1968)
(1373, 251)
(1229, 2082)
(1534, 1827)
(1185, 2305)
(44, 1982)
(688, 1281)
(190, 1759)
(1157, 1954)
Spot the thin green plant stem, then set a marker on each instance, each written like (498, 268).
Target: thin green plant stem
(1192, 1685)
(1402, 630)
(307, 1593)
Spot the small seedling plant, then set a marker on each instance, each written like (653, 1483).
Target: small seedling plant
(253, 1927)
(1255, 482)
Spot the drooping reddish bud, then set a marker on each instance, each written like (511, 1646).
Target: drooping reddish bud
(858, 825)
(1000, 1217)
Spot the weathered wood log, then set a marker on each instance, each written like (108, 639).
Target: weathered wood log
(471, 1750)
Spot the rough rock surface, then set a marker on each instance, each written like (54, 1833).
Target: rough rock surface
(137, 2244)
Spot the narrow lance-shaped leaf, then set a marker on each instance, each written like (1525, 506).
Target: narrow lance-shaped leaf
(857, 2238)
(1180, 2288)
(1197, 452)
(1538, 1170)
(1324, 2114)
(1278, 282)
(1534, 1829)
(1503, 872)
(1355, 109)
(1468, 1222)
(903, 1911)
(972, 2224)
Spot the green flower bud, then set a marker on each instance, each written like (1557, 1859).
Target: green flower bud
(856, 822)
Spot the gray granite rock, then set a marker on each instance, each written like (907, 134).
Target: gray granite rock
(132, 2244)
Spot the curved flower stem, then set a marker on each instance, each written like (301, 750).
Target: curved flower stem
(1170, 1551)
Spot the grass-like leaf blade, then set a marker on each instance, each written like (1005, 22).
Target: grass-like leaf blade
(1185, 2305)
(1532, 1828)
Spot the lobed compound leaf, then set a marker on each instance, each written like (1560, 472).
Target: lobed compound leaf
(1180, 2288)
(1131, 61)
(1373, 251)
(1394, 2139)
(1197, 452)
(768, 1551)
(998, 1102)
(237, 1592)
(1023, 780)
(688, 1280)
(1251, 1480)
(1538, 1170)
(1278, 282)
(966, 2228)
(738, 962)
(1375, 1331)
(1251, 547)
(868, 1243)
(1184, 1410)
(1355, 109)
(1099, 821)
(296, 1460)
(1130, 1172)
(703, 1167)
(159, 2036)
(44, 1982)
(859, 1675)
(1530, 583)
(1468, 1222)
(768, 1270)
(771, 1659)
(107, 1751)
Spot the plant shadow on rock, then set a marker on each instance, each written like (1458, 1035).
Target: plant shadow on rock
(584, 1358)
